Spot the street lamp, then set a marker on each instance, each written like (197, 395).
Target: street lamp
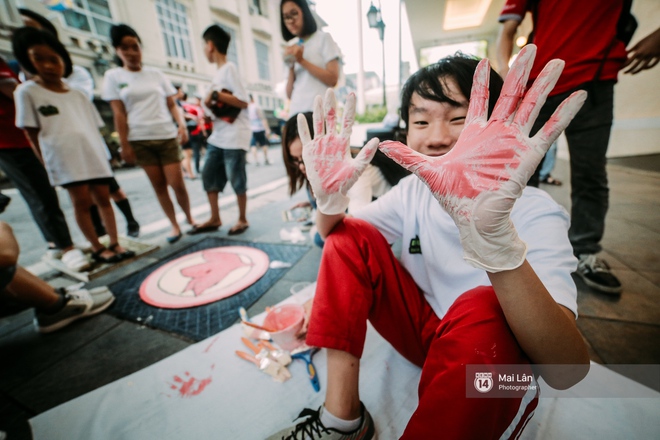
(376, 21)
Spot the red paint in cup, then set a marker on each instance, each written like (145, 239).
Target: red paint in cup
(287, 320)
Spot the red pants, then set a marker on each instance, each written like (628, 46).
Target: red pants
(360, 279)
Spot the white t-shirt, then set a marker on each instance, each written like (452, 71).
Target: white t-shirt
(256, 117)
(409, 211)
(235, 136)
(71, 144)
(144, 95)
(81, 79)
(319, 50)
(371, 184)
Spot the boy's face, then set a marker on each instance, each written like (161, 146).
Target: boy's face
(208, 50)
(434, 127)
(130, 52)
(48, 63)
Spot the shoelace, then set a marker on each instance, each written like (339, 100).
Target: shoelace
(595, 264)
(310, 427)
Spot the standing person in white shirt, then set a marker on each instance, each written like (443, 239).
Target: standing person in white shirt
(81, 79)
(62, 126)
(260, 131)
(312, 56)
(142, 100)
(230, 139)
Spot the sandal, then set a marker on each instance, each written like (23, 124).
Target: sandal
(123, 255)
(96, 256)
(551, 181)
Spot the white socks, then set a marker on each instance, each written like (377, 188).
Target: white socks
(331, 421)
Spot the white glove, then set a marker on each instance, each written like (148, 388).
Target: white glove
(330, 169)
(479, 180)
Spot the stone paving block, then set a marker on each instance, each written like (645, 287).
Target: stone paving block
(122, 350)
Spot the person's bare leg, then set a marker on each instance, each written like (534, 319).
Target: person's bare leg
(187, 163)
(265, 150)
(31, 290)
(174, 178)
(101, 196)
(81, 199)
(342, 396)
(214, 207)
(158, 181)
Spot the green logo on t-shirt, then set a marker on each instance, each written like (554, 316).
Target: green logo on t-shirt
(122, 85)
(48, 110)
(415, 247)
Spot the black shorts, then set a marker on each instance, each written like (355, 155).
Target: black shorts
(101, 181)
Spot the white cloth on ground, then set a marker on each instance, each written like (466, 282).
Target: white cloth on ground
(241, 403)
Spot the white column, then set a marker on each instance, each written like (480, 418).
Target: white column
(360, 75)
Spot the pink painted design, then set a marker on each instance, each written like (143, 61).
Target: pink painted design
(188, 386)
(206, 275)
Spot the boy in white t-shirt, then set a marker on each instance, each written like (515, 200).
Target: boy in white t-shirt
(229, 142)
(480, 282)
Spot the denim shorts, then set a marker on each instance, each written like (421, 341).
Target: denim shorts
(259, 139)
(224, 165)
(6, 275)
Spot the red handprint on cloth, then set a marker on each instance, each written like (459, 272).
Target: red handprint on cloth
(480, 178)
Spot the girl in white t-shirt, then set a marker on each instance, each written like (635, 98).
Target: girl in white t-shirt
(312, 56)
(62, 126)
(142, 100)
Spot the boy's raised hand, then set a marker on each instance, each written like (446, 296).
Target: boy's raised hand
(328, 164)
(480, 178)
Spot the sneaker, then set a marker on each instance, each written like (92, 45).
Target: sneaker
(75, 260)
(597, 274)
(80, 304)
(53, 253)
(133, 229)
(312, 428)
(4, 201)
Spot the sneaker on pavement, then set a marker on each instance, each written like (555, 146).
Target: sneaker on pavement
(312, 428)
(597, 274)
(80, 304)
(133, 229)
(75, 260)
(53, 253)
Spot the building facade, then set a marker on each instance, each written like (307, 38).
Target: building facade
(171, 32)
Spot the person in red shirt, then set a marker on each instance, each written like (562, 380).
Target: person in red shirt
(25, 171)
(198, 128)
(585, 37)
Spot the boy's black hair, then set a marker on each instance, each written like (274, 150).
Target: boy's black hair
(309, 24)
(26, 37)
(428, 82)
(43, 21)
(289, 134)
(218, 36)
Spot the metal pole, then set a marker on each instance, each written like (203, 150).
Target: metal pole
(384, 83)
(361, 104)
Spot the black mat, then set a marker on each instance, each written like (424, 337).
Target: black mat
(198, 323)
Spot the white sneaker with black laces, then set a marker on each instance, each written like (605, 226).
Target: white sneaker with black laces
(597, 274)
(80, 303)
(312, 429)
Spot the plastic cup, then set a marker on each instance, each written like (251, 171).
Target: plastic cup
(287, 321)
